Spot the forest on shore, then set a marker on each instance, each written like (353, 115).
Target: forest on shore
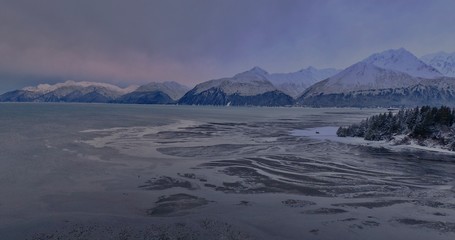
(426, 126)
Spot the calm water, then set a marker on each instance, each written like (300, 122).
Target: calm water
(98, 171)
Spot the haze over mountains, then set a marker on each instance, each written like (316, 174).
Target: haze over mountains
(394, 77)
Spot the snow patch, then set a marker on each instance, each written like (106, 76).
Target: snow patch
(402, 60)
(133, 140)
(46, 88)
(329, 134)
(363, 76)
(442, 61)
(391, 69)
(295, 83)
(249, 83)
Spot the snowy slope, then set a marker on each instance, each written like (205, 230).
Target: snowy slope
(68, 85)
(390, 78)
(363, 76)
(295, 83)
(69, 91)
(444, 84)
(249, 83)
(389, 69)
(250, 88)
(442, 61)
(173, 89)
(402, 60)
(257, 81)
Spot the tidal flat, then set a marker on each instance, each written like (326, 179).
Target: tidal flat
(108, 171)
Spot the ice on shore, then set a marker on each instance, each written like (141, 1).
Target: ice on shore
(329, 133)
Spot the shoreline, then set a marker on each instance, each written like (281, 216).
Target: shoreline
(329, 133)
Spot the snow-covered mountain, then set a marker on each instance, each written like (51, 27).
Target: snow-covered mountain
(425, 93)
(442, 61)
(391, 78)
(69, 91)
(46, 88)
(402, 60)
(173, 89)
(295, 83)
(247, 88)
(362, 76)
(394, 68)
(249, 83)
(155, 93)
(258, 81)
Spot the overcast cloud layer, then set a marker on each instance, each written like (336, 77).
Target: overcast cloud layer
(190, 41)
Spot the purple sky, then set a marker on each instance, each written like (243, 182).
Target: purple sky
(190, 41)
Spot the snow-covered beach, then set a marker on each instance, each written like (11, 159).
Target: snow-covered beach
(329, 133)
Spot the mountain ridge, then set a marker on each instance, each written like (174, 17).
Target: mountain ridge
(442, 61)
(249, 88)
(375, 81)
(72, 91)
(295, 83)
(394, 77)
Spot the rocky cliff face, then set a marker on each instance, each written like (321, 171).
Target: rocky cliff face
(153, 97)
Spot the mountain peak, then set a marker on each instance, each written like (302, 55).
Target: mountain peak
(391, 55)
(403, 61)
(401, 49)
(252, 82)
(309, 69)
(258, 70)
(254, 73)
(174, 89)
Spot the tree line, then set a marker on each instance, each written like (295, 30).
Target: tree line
(420, 123)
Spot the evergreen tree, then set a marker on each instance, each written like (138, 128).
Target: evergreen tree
(418, 123)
